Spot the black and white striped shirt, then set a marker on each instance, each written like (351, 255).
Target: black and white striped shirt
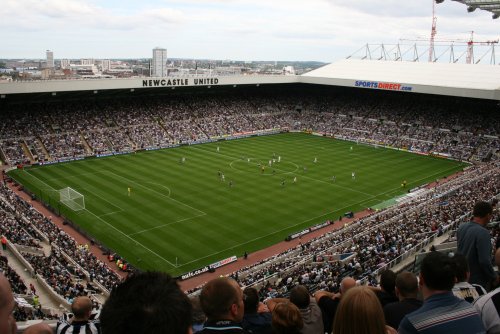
(78, 327)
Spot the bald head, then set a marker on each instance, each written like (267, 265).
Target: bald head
(7, 321)
(82, 308)
(346, 284)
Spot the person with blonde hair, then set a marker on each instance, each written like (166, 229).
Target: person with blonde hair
(360, 312)
(286, 319)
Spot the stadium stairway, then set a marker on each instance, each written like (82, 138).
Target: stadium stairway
(409, 262)
(44, 149)
(86, 145)
(46, 299)
(27, 151)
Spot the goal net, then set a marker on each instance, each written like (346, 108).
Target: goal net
(72, 199)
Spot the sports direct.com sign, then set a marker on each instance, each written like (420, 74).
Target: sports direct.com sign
(382, 85)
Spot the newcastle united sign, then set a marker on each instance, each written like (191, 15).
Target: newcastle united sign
(170, 82)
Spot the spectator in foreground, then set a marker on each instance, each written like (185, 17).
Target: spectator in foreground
(147, 303)
(199, 317)
(328, 302)
(462, 288)
(360, 312)
(406, 290)
(488, 306)
(41, 328)
(222, 301)
(441, 312)
(257, 318)
(473, 241)
(7, 305)
(287, 319)
(309, 309)
(387, 293)
(80, 322)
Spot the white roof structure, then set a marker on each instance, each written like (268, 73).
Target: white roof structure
(476, 81)
(464, 80)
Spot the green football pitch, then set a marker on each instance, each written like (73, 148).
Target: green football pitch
(180, 216)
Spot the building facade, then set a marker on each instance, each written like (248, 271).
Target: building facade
(50, 59)
(159, 62)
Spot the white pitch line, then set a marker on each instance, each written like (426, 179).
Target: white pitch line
(167, 224)
(119, 231)
(307, 220)
(67, 177)
(292, 172)
(134, 241)
(110, 213)
(163, 195)
(200, 258)
(94, 194)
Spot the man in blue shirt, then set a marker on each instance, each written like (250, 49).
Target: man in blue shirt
(441, 312)
(474, 241)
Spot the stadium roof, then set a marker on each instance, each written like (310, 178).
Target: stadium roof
(476, 81)
(448, 79)
(492, 6)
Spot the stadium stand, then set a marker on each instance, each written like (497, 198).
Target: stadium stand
(424, 126)
(61, 131)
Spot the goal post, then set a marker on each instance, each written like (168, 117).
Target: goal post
(72, 199)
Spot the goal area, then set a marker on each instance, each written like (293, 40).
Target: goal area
(72, 199)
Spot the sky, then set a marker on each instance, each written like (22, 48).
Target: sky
(294, 30)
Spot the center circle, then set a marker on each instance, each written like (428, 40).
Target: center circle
(263, 167)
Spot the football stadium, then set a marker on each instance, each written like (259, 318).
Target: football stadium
(351, 173)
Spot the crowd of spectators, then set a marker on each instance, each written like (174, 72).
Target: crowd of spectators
(12, 227)
(61, 274)
(371, 244)
(16, 283)
(58, 273)
(106, 127)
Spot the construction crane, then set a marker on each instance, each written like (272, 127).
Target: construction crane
(433, 32)
(470, 47)
(469, 52)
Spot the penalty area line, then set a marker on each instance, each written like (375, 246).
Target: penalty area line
(128, 237)
(113, 227)
(167, 224)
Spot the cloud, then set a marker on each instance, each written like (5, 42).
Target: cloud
(78, 15)
(247, 29)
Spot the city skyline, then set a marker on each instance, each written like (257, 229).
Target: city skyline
(322, 30)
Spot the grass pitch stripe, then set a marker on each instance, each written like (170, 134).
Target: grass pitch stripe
(117, 230)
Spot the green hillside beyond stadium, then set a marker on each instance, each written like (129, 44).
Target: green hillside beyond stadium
(180, 216)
